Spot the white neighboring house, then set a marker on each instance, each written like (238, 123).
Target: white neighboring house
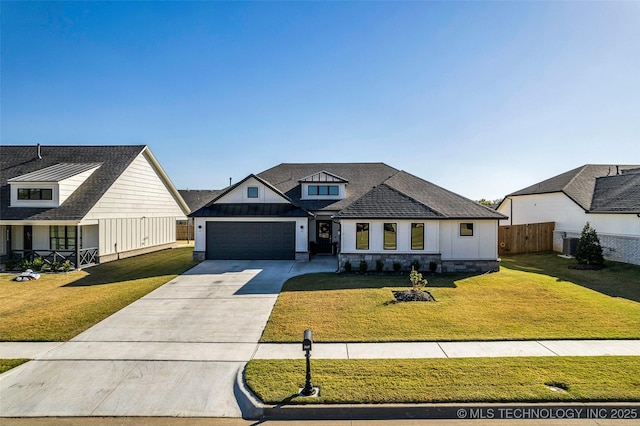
(606, 196)
(357, 211)
(88, 204)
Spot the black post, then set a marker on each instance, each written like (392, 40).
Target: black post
(308, 387)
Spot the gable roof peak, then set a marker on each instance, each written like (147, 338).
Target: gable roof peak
(323, 176)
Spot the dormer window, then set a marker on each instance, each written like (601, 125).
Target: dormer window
(35, 194)
(323, 190)
(51, 186)
(323, 186)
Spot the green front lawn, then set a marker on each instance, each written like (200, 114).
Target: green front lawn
(533, 296)
(8, 364)
(448, 380)
(57, 307)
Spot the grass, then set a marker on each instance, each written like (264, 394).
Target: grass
(532, 297)
(57, 307)
(449, 380)
(8, 364)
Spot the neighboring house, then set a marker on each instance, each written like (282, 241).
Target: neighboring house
(606, 196)
(359, 211)
(88, 204)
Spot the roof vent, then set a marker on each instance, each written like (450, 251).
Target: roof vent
(39, 152)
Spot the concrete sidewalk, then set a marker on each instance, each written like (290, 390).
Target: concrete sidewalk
(243, 352)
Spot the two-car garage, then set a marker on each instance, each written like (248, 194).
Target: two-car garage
(251, 240)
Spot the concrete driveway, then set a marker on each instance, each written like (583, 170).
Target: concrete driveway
(175, 352)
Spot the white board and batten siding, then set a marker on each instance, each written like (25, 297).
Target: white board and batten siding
(137, 212)
(440, 237)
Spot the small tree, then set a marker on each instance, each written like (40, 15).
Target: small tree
(589, 251)
(417, 281)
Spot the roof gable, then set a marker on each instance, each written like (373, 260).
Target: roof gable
(323, 176)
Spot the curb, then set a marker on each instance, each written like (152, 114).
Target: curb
(497, 411)
(250, 406)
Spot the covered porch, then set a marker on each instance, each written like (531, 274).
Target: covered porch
(53, 244)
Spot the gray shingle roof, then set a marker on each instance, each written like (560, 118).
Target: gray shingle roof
(197, 198)
(21, 160)
(578, 184)
(617, 194)
(361, 176)
(376, 190)
(404, 195)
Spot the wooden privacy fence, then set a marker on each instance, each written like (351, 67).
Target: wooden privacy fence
(529, 238)
(184, 232)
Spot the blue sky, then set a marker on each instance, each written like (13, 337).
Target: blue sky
(482, 98)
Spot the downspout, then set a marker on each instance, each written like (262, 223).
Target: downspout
(510, 211)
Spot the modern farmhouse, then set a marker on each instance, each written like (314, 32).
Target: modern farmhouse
(358, 211)
(86, 204)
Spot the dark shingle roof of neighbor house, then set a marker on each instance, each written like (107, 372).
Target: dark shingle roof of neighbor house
(197, 198)
(618, 193)
(579, 185)
(376, 190)
(17, 161)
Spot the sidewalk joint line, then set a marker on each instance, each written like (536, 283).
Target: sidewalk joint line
(442, 349)
(547, 348)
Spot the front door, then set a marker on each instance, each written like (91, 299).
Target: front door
(323, 236)
(28, 237)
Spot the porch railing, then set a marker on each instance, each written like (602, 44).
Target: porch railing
(87, 256)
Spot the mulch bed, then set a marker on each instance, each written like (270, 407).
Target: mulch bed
(411, 296)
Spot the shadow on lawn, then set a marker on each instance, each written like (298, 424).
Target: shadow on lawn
(333, 281)
(615, 280)
(157, 264)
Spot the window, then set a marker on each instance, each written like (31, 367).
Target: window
(466, 229)
(362, 236)
(62, 237)
(35, 194)
(323, 190)
(417, 236)
(252, 192)
(390, 236)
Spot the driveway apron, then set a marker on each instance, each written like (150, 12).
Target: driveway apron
(174, 352)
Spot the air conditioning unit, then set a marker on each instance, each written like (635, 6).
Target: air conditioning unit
(569, 246)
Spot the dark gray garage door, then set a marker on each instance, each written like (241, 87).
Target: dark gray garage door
(251, 240)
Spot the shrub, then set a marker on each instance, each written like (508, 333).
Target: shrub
(55, 266)
(417, 281)
(589, 251)
(37, 264)
(379, 265)
(433, 266)
(66, 266)
(415, 264)
(347, 266)
(364, 266)
(397, 266)
(11, 265)
(24, 264)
